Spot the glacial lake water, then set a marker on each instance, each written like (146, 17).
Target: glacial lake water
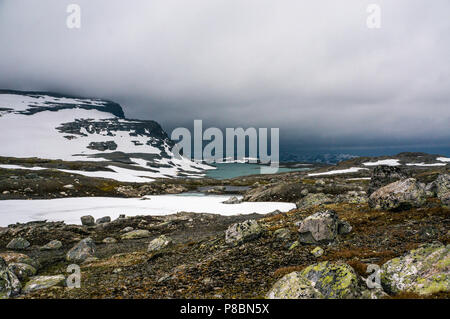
(231, 170)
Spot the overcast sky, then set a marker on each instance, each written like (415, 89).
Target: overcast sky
(312, 68)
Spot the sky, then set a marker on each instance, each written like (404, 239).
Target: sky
(311, 68)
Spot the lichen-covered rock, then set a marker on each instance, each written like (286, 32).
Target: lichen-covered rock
(9, 283)
(18, 244)
(400, 195)
(384, 175)
(282, 234)
(52, 245)
(242, 232)
(294, 286)
(311, 200)
(87, 220)
(322, 226)
(317, 252)
(43, 282)
(81, 251)
(425, 270)
(323, 280)
(375, 293)
(136, 234)
(22, 271)
(159, 243)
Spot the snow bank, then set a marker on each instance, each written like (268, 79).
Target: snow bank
(388, 162)
(341, 171)
(70, 210)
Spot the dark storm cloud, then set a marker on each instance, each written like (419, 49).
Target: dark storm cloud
(312, 68)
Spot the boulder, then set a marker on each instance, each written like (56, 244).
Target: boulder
(44, 282)
(81, 251)
(13, 257)
(384, 175)
(87, 220)
(242, 232)
(22, 271)
(325, 280)
(425, 270)
(322, 227)
(312, 200)
(103, 220)
(136, 234)
(9, 283)
(18, 244)
(159, 243)
(232, 200)
(283, 192)
(53, 245)
(127, 229)
(400, 195)
(282, 234)
(353, 197)
(440, 186)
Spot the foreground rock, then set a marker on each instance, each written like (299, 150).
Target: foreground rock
(311, 200)
(159, 243)
(52, 245)
(322, 227)
(18, 244)
(81, 251)
(43, 282)
(440, 186)
(9, 283)
(232, 200)
(384, 175)
(401, 195)
(323, 280)
(425, 270)
(242, 232)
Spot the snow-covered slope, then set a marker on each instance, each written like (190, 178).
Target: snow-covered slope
(51, 126)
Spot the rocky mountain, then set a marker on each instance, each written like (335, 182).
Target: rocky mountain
(53, 126)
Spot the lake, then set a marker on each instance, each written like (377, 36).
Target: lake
(231, 170)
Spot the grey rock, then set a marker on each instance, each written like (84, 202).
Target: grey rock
(87, 220)
(109, 240)
(103, 220)
(43, 282)
(312, 200)
(136, 234)
(242, 232)
(22, 271)
(18, 244)
(383, 175)
(232, 200)
(159, 243)
(400, 195)
(81, 251)
(322, 227)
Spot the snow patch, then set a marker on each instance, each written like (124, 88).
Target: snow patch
(341, 171)
(388, 162)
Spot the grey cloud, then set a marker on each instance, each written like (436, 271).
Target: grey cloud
(312, 68)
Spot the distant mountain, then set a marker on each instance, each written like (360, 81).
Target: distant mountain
(52, 126)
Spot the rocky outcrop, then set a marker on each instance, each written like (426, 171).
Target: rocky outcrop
(400, 195)
(242, 232)
(22, 271)
(322, 227)
(52, 245)
(103, 146)
(159, 243)
(283, 192)
(383, 175)
(440, 186)
(323, 280)
(312, 200)
(81, 251)
(9, 283)
(425, 270)
(103, 220)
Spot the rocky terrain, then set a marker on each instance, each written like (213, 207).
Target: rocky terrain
(379, 231)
